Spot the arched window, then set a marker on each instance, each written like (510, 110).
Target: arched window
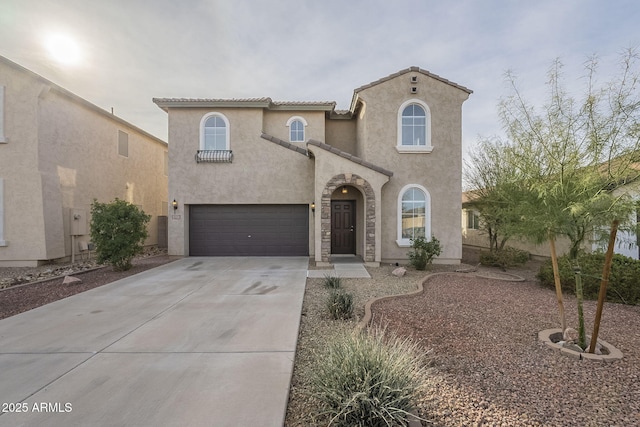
(214, 134)
(414, 127)
(296, 129)
(414, 214)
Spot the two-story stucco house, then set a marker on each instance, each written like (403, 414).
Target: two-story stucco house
(259, 177)
(58, 152)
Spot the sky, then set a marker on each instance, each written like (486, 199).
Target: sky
(130, 51)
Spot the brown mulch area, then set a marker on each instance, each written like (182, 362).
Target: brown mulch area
(22, 298)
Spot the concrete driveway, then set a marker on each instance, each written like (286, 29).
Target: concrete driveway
(198, 342)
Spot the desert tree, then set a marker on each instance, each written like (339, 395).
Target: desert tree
(572, 153)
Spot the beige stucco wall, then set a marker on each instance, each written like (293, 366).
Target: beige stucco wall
(341, 133)
(480, 239)
(439, 172)
(275, 124)
(261, 172)
(60, 155)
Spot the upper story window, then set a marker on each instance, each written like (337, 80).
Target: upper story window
(414, 127)
(214, 133)
(296, 129)
(123, 143)
(414, 214)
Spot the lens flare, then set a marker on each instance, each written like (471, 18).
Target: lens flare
(63, 48)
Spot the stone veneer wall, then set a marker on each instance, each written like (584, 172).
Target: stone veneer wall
(370, 214)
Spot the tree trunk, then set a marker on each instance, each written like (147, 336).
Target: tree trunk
(582, 339)
(556, 278)
(603, 286)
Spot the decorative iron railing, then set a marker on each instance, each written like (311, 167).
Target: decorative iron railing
(214, 156)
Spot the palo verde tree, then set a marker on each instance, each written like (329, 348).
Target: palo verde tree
(496, 193)
(118, 230)
(571, 154)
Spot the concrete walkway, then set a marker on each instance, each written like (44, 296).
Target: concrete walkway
(198, 342)
(343, 266)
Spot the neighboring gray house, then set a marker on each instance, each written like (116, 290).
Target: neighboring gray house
(57, 153)
(259, 177)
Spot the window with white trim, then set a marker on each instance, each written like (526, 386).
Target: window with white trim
(296, 127)
(473, 220)
(3, 138)
(414, 214)
(214, 132)
(414, 127)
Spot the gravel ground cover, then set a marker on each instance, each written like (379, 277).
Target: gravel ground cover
(488, 368)
(486, 365)
(36, 286)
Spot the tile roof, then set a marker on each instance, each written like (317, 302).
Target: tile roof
(266, 102)
(349, 156)
(285, 144)
(413, 69)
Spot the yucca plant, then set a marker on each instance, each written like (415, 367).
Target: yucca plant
(333, 282)
(340, 305)
(368, 379)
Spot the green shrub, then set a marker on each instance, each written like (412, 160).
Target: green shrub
(624, 279)
(332, 282)
(340, 305)
(503, 258)
(118, 230)
(368, 379)
(422, 252)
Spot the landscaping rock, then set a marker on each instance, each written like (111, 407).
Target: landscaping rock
(70, 279)
(399, 272)
(570, 335)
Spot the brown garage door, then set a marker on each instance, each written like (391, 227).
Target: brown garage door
(249, 230)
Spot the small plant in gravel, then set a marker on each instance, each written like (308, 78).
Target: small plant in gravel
(368, 379)
(332, 282)
(340, 305)
(423, 252)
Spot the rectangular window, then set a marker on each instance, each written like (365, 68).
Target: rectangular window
(473, 220)
(123, 143)
(3, 138)
(2, 241)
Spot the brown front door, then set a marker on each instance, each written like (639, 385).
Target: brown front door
(343, 221)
